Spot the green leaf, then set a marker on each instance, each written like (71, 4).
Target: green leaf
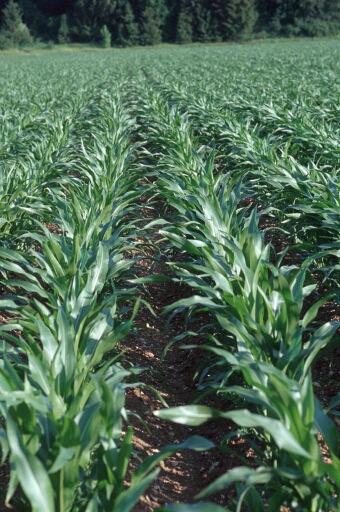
(319, 340)
(98, 273)
(128, 499)
(327, 428)
(64, 456)
(193, 415)
(31, 473)
(195, 300)
(124, 456)
(246, 475)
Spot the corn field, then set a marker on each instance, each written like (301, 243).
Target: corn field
(222, 162)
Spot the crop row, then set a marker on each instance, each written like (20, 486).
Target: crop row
(61, 383)
(265, 329)
(245, 163)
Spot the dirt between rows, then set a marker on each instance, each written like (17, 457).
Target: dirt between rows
(185, 473)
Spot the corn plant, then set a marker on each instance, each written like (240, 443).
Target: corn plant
(290, 468)
(260, 304)
(227, 139)
(62, 390)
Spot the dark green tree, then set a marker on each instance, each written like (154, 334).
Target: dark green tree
(14, 32)
(232, 19)
(304, 17)
(267, 10)
(239, 18)
(231, 29)
(12, 16)
(248, 17)
(184, 29)
(35, 18)
(89, 16)
(126, 29)
(104, 37)
(152, 21)
(201, 21)
(218, 15)
(63, 32)
(289, 11)
(299, 17)
(332, 10)
(170, 20)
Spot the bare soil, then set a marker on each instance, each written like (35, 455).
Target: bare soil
(184, 474)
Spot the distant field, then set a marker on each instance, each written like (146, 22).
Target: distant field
(152, 198)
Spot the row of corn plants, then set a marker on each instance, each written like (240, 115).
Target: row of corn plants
(61, 383)
(288, 163)
(69, 188)
(265, 333)
(38, 160)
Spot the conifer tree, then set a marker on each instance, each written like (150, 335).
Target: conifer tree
(201, 22)
(247, 17)
(12, 16)
(170, 20)
(184, 30)
(152, 21)
(13, 29)
(89, 16)
(332, 10)
(105, 37)
(63, 32)
(126, 30)
(239, 18)
(217, 10)
(37, 20)
(267, 10)
(302, 17)
(230, 19)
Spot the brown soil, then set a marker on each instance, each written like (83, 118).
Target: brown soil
(4, 477)
(184, 474)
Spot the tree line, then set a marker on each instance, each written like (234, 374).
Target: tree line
(148, 22)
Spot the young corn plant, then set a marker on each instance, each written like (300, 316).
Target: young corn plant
(304, 192)
(260, 304)
(291, 470)
(62, 389)
(63, 400)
